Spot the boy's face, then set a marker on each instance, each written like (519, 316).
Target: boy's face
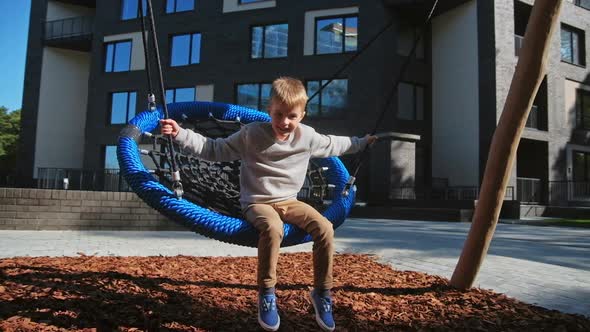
(284, 119)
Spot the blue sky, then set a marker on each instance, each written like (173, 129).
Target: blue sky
(14, 29)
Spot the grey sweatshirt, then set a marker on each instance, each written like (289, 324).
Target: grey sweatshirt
(271, 170)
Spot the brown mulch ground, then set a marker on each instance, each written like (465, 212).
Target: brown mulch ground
(184, 293)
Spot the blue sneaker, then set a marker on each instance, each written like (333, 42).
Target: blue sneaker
(323, 311)
(268, 315)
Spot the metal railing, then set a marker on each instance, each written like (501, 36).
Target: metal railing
(81, 179)
(69, 28)
(7, 180)
(457, 193)
(565, 192)
(529, 190)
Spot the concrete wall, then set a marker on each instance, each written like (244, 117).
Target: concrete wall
(63, 99)
(39, 209)
(455, 106)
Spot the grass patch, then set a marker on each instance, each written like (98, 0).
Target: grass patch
(583, 223)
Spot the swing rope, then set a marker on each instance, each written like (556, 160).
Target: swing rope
(151, 98)
(177, 185)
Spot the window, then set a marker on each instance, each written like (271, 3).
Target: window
(581, 3)
(332, 99)
(336, 35)
(583, 109)
(410, 102)
(180, 94)
(130, 9)
(175, 6)
(118, 56)
(406, 40)
(581, 166)
(269, 41)
(110, 157)
(186, 49)
(242, 2)
(254, 95)
(122, 107)
(572, 45)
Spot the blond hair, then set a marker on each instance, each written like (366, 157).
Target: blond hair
(289, 91)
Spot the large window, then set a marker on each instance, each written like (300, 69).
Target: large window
(175, 6)
(110, 157)
(581, 166)
(118, 56)
(581, 3)
(583, 109)
(410, 102)
(186, 49)
(269, 41)
(130, 9)
(336, 35)
(331, 101)
(181, 94)
(254, 95)
(122, 107)
(572, 45)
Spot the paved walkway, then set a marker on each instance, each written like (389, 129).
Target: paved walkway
(546, 266)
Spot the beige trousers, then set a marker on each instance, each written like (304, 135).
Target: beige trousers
(268, 220)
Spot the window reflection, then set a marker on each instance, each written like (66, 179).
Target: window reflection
(331, 101)
(336, 35)
(186, 49)
(269, 41)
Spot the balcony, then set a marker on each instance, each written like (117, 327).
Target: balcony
(71, 33)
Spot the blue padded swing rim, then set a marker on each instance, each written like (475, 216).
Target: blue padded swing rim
(201, 220)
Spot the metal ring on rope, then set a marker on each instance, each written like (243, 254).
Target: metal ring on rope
(199, 219)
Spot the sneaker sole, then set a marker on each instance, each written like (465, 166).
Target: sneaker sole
(268, 327)
(317, 315)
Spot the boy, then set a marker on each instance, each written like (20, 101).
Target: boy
(274, 158)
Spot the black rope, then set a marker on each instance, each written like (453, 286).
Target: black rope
(177, 185)
(391, 95)
(151, 99)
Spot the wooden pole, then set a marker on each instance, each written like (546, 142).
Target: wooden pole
(528, 75)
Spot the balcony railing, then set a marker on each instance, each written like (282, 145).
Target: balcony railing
(529, 190)
(81, 179)
(75, 27)
(517, 44)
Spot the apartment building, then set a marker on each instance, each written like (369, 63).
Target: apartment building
(86, 77)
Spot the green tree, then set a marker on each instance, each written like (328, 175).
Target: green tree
(9, 132)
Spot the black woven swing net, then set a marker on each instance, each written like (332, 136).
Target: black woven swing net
(216, 185)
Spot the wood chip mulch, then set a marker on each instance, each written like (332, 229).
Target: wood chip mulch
(183, 293)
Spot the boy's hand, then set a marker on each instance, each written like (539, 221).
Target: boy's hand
(169, 127)
(371, 139)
